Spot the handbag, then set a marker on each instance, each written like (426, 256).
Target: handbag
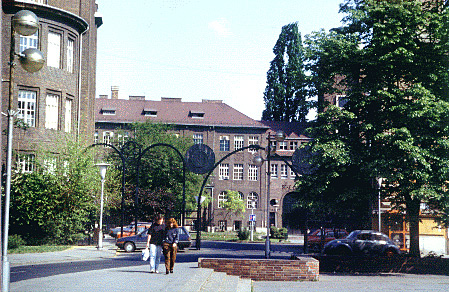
(145, 254)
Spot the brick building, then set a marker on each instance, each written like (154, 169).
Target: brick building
(59, 99)
(223, 129)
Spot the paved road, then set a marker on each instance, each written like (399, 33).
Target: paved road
(86, 269)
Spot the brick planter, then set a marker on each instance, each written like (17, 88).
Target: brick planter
(301, 269)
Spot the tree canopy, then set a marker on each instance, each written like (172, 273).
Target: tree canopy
(390, 62)
(285, 95)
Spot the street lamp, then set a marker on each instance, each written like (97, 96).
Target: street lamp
(379, 215)
(102, 167)
(24, 23)
(258, 161)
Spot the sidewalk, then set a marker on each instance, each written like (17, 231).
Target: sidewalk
(188, 277)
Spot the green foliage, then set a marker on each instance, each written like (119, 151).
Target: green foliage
(278, 233)
(15, 241)
(285, 95)
(390, 60)
(161, 172)
(243, 234)
(54, 202)
(234, 204)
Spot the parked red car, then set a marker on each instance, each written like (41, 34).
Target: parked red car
(132, 231)
(314, 237)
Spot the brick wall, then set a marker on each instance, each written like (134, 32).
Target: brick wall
(303, 269)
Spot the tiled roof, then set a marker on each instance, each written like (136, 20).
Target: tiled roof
(291, 129)
(173, 111)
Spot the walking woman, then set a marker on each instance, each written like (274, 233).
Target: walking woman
(156, 234)
(170, 244)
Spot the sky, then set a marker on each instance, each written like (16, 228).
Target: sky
(199, 49)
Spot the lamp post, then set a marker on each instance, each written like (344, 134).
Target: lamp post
(102, 167)
(24, 23)
(258, 161)
(379, 215)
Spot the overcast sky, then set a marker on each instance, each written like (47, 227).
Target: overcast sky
(203, 49)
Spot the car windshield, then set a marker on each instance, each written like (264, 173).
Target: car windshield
(352, 235)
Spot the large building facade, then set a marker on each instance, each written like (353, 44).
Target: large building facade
(59, 99)
(224, 130)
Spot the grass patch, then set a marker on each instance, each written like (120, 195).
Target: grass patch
(38, 248)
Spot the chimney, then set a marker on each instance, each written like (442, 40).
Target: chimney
(114, 92)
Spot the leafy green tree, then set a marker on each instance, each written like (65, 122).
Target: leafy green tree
(395, 122)
(161, 172)
(285, 95)
(55, 201)
(234, 205)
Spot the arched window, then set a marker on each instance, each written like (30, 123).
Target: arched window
(240, 195)
(252, 197)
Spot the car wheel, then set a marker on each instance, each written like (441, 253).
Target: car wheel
(342, 250)
(129, 247)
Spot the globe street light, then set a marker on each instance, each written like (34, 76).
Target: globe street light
(24, 23)
(102, 167)
(258, 161)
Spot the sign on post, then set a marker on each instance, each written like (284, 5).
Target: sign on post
(252, 217)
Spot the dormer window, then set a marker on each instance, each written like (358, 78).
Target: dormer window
(196, 114)
(108, 111)
(149, 112)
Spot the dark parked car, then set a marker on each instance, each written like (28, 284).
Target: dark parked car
(362, 242)
(139, 241)
(314, 237)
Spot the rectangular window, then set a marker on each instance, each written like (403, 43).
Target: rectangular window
(27, 42)
(222, 225)
(221, 199)
(107, 137)
(284, 171)
(54, 50)
(50, 165)
(253, 140)
(274, 170)
(198, 138)
(223, 171)
(253, 173)
(224, 143)
(68, 115)
(292, 173)
(238, 172)
(238, 142)
(51, 111)
(95, 137)
(293, 145)
(27, 107)
(25, 163)
(283, 145)
(70, 54)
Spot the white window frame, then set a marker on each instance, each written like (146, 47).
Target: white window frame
(68, 115)
(198, 138)
(96, 137)
(223, 171)
(54, 49)
(27, 105)
(52, 111)
(29, 42)
(108, 136)
(70, 54)
(239, 142)
(222, 197)
(294, 145)
(253, 172)
(283, 145)
(237, 171)
(224, 143)
(253, 140)
(253, 196)
(50, 165)
(274, 170)
(284, 171)
(25, 163)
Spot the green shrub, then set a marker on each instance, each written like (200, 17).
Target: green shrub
(243, 234)
(15, 241)
(278, 233)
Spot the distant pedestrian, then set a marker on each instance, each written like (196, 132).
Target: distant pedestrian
(170, 244)
(154, 242)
